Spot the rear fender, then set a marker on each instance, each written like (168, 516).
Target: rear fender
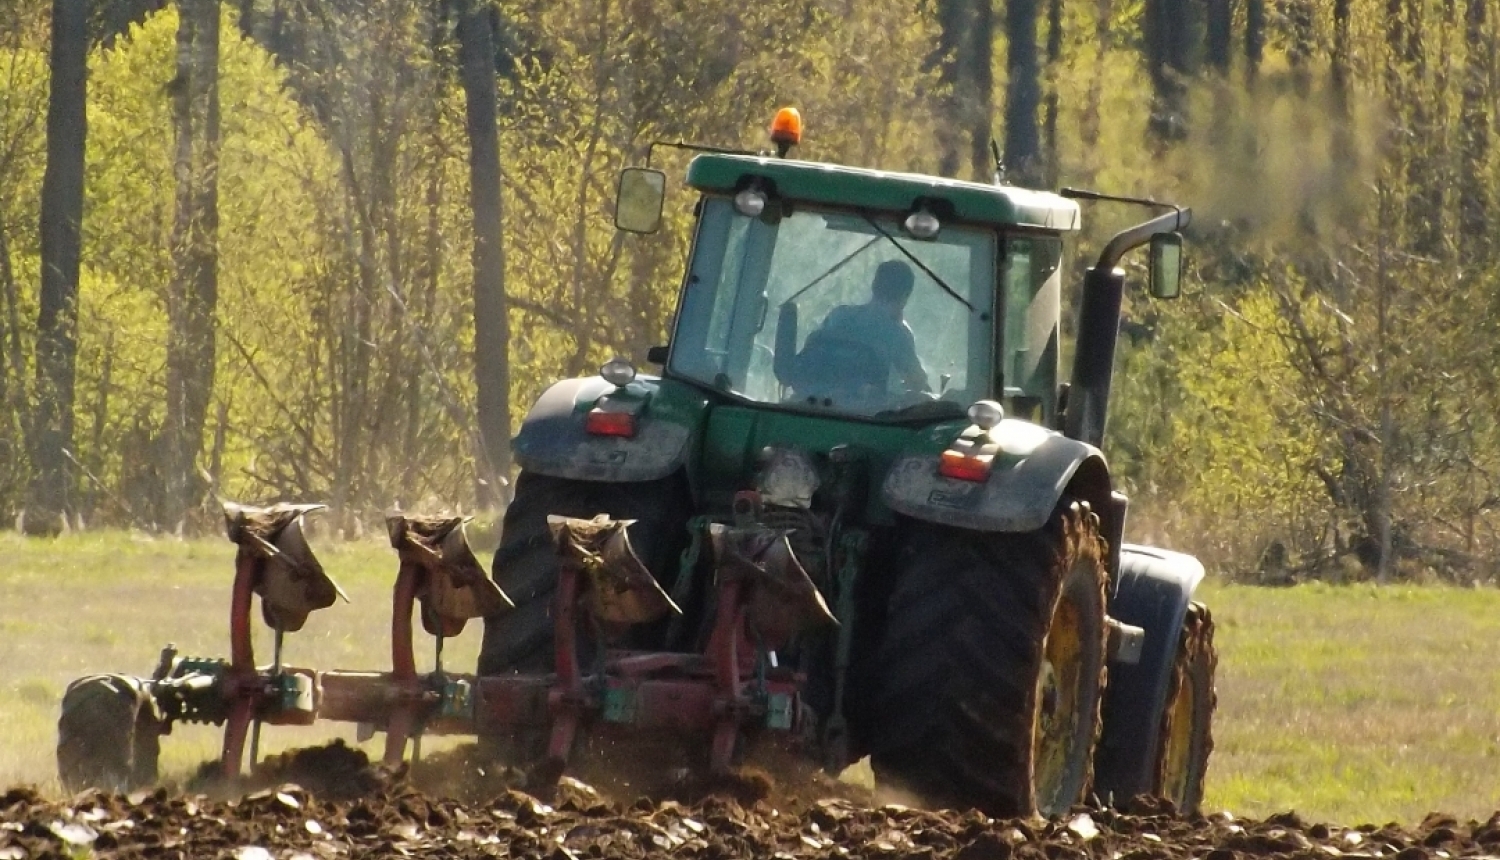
(1152, 591)
(1033, 469)
(553, 441)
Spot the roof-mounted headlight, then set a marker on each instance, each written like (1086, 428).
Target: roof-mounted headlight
(922, 224)
(750, 202)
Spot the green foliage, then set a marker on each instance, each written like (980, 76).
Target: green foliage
(1327, 374)
(1227, 433)
(273, 164)
(1339, 274)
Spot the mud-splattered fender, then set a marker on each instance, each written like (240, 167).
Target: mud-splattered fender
(1032, 470)
(1152, 591)
(552, 440)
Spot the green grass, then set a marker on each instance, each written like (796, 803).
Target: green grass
(1357, 703)
(1347, 704)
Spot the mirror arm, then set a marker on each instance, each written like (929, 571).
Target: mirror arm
(694, 147)
(1140, 234)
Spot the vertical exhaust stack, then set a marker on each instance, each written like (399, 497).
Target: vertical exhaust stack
(1099, 323)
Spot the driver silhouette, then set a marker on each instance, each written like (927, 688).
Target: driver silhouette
(855, 351)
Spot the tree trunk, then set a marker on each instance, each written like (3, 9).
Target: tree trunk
(9, 376)
(1345, 162)
(1339, 72)
(1050, 101)
(1255, 37)
(1167, 28)
(1385, 290)
(966, 30)
(1023, 146)
(15, 405)
(1302, 45)
(1219, 35)
(57, 312)
(192, 296)
(980, 76)
(951, 24)
(1424, 203)
(491, 323)
(12, 384)
(1473, 199)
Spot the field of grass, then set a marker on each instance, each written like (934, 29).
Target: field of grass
(1357, 703)
(1349, 704)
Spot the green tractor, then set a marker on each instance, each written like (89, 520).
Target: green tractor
(858, 509)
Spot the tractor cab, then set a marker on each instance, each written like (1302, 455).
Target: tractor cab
(869, 295)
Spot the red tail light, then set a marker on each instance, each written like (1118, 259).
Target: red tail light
(965, 467)
(602, 423)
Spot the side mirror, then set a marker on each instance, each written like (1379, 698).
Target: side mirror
(1166, 265)
(639, 198)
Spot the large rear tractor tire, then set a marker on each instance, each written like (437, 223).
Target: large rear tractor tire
(1185, 737)
(992, 667)
(526, 568)
(108, 735)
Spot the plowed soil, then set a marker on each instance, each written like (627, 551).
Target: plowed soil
(329, 803)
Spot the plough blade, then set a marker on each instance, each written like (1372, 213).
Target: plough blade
(288, 577)
(452, 586)
(782, 600)
(619, 587)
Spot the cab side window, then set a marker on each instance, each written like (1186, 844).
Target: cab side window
(1031, 285)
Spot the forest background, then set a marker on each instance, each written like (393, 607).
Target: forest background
(257, 249)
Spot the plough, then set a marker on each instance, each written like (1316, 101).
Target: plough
(110, 726)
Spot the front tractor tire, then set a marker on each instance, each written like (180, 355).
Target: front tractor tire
(108, 735)
(1185, 738)
(991, 669)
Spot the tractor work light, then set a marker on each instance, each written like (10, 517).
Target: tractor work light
(750, 202)
(618, 372)
(986, 413)
(922, 224)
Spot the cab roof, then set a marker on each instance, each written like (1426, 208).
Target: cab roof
(861, 188)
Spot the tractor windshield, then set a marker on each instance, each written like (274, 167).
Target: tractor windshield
(836, 311)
